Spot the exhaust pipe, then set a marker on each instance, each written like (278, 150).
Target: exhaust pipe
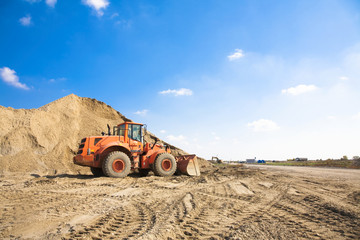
(109, 132)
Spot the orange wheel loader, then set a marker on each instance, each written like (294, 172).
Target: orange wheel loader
(124, 150)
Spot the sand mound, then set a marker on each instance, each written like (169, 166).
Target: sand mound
(44, 140)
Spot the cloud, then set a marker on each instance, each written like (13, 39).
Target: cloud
(124, 23)
(53, 80)
(178, 139)
(51, 3)
(343, 78)
(114, 15)
(300, 89)
(263, 125)
(97, 5)
(120, 22)
(179, 92)
(25, 21)
(162, 131)
(9, 76)
(33, 1)
(236, 55)
(141, 112)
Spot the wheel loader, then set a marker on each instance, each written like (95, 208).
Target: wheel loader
(124, 150)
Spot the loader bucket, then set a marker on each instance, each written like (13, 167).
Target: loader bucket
(188, 164)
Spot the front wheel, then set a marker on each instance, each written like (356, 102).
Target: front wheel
(164, 165)
(116, 164)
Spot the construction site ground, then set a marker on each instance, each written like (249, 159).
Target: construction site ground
(225, 202)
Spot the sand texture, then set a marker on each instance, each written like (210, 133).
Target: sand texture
(223, 203)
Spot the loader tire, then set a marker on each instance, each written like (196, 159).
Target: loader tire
(164, 165)
(116, 164)
(97, 172)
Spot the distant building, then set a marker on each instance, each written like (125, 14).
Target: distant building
(250, 160)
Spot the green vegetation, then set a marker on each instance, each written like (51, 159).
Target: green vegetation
(326, 163)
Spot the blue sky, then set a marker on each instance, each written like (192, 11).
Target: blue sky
(233, 79)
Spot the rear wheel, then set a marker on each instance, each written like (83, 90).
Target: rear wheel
(97, 172)
(164, 165)
(116, 164)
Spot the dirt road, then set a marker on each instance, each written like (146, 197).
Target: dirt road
(325, 172)
(224, 203)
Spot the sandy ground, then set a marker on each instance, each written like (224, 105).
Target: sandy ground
(224, 203)
(324, 172)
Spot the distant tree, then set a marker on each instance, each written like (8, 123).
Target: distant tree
(344, 158)
(356, 161)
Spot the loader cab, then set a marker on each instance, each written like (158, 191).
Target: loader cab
(130, 130)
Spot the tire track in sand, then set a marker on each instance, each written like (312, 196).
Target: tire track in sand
(127, 222)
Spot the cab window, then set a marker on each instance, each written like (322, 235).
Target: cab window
(121, 130)
(135, 132)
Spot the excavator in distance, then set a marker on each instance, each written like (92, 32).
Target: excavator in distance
(119, 153)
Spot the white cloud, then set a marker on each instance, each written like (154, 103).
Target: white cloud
(300, 89)
(141, 112)
(114, 15)
(33, 1)
(120, 22)
(51, 3)
(97, 5)
(343, 78)
(53, 80)
(9, 76)
(331, 117)
(25, 21)
(162, 131)
(178, 92)
(177, 139)
(236, 55)
(263, 125)
(124, 23)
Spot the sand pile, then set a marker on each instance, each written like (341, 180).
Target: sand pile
(44, 140)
